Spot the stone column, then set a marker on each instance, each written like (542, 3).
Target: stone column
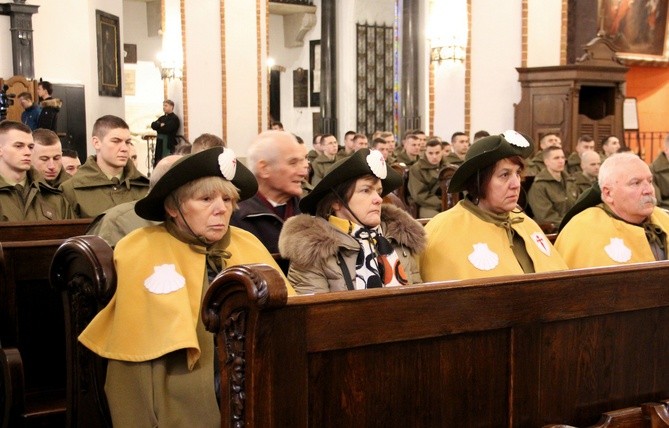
(328, 97)
(20, 21)
(409, 32)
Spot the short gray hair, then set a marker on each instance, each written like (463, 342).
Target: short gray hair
(266, 147)
(612, 166)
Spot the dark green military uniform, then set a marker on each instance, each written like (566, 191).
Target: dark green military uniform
(404, 158)
(453, 159)
(62, 177)
(320, 166)
(313, 154)
(90, 192)
(424, 186)
(582, 182)
(36, 201)
(535, 165)
(574, 163)
(549, 198)
(660, 170)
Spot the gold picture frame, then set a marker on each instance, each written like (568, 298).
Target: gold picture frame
(637, 29)
(109, 55)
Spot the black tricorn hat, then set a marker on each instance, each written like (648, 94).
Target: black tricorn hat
(590, 198)
(214, 162)
(360, 163)
(486, 152)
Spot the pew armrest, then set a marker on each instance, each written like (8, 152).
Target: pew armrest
(83, 270)
(231, 309)
(12, 400)
(260, 285)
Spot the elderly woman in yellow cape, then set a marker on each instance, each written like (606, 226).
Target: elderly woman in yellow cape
(161, 359)
(487, 234)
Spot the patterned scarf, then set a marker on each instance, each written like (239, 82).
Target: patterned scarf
(377, 264)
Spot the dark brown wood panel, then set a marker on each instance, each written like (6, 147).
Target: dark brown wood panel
(41, 230)
(522, 351)
(468, 371)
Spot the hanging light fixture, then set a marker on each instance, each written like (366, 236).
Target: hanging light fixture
(447, 31)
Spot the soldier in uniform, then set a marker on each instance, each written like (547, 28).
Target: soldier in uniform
(108, 178)
(47, 157)
(553, 193)
(24, 195)
(424, 180)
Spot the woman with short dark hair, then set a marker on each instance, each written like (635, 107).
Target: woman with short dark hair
(487, 234)
(348, 240)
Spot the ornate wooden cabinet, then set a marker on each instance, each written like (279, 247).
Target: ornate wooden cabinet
(571, 100)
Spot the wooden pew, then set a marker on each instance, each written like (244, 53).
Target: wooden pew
(521, 351)
(42, 230)
(83, 272)
(402, 192)
(648, 415)
(32, 339)
(448, 200)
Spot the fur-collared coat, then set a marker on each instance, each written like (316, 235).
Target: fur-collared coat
(312, 244)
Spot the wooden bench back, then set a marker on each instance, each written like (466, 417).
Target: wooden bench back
(402, 192)
(511, 351)
(448, 200)
(42, 230)
(31, 329)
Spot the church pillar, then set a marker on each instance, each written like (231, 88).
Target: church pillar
(328, 67)
(20, 21)
(410, 31)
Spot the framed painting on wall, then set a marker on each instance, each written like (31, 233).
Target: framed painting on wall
(109, 54)
(637, 28)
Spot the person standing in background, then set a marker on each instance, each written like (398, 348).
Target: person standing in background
(31, 111)
(166, 126)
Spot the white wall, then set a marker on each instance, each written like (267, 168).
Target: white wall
(544, 22)
(135, 31)
(496, 52)
(6, 68)
(203, 36)
(241, 64)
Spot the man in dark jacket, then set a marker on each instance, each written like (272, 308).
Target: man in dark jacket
(166, 126)
(48, 117)
(280, 165)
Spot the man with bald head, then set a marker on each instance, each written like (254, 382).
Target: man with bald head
(587, 176)
(618, 224)
(280, 165)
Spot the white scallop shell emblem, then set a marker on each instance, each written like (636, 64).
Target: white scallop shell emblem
(482, 258)
(165, 279)
(377, 164)
(618, 251)
(227, 162)
(515, 138)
